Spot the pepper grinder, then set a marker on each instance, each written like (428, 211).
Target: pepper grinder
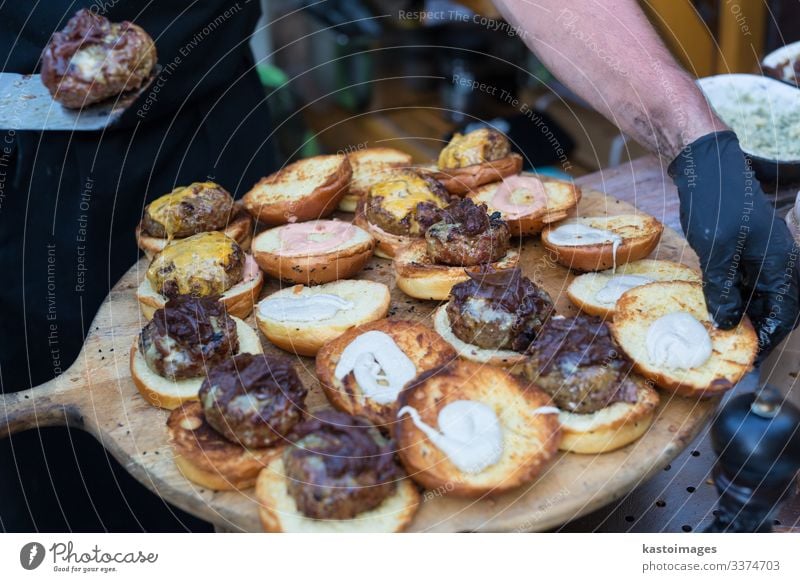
(756, 437)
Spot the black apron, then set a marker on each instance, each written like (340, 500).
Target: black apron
(69, 204)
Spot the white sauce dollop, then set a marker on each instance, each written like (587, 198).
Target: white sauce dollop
(575, 234)
(678, 340)
(469, 434)
(380, 367)
(618, 285)
(303, 308)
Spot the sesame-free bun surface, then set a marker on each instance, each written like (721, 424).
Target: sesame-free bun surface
(583, 289)
(530, 439)
(165, 393)
(306, 338)
(612, 427)
(304, 190)
(419, 277)
(562, 197)
(640, 234)
(387, 244)
(240, 229)
(207, 458)
(370, 165)
(423, 346)
(278, 511)
(460, 181)
(340, 262)
(733, 351)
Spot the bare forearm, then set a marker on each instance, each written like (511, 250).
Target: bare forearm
(608, 53)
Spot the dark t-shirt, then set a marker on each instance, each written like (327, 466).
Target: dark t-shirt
(69, 204)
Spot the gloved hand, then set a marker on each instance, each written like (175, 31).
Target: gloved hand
(749, 258)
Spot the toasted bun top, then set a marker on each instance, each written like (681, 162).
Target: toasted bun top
(317, 237)
(627, 226)
(733, 351)
(559, 195)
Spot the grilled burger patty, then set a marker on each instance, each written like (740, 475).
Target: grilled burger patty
(405, 203)
(467, 235)
(253, 399)
(576, 361)
(188, 210)
(187, 336)
(498, 309)
(338, 466)
(93, 59)
(476, 147)
(204, 264)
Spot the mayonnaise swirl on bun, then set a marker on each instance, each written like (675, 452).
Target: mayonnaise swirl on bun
(469, 434)
(678, 340)
(380, 367)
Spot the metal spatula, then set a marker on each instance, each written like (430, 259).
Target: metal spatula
(26, 104)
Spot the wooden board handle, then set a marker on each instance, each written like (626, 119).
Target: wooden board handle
(38, 407)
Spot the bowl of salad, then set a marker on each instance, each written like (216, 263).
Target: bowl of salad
(765, 114)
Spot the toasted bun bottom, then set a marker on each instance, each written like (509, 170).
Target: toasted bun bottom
(388, 243)
(238, 300)
(640, 235)
(240, 229)
(278, 510)
(417, 276)
(562, 198)
(460, 181)
(530, 439)
(505, 358)
(609, 428)
(165, 393)
(583, 289)
(371, 302)
(313, 269)
(423, 346)
(349, 202)
(733, 351)
(207, 458)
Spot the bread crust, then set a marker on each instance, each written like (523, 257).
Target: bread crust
(600, 257)
(419, 277)
(733, 351)
(162, 392)
(318, 203)
(502, 358)
(387, 244)
(460, 181)
(238, 300)
(422, 345)
(240, 229)
(558, 207)
(306, 339)
(610, 428)
(376, 159)
(530, 439)
(278, 512)
(660, 270)
(207, 458)
(314, 269)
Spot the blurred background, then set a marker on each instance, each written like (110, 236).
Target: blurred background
(347, 74)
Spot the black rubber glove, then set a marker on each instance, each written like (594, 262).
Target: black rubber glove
(749, 258)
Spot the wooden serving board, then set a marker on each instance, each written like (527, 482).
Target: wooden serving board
(97, 395)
